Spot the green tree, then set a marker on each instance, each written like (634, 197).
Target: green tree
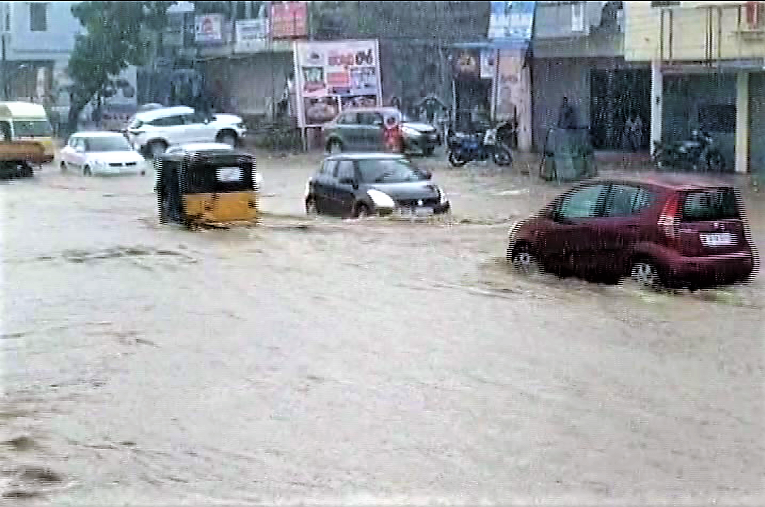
(114, 39)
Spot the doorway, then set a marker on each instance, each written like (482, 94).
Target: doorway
(615, 96)
(472, 103)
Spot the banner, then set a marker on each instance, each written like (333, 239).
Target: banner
(209, 29)
(332, 76)
(289, 20)
(251, 35)
(511, 23)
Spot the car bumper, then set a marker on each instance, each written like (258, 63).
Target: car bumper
(422, 143)
(115, 171)
(413, 211)
(709, 271)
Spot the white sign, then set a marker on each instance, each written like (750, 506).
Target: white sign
(333, 76)
(209, 28)
(251, 35)
(229, 174)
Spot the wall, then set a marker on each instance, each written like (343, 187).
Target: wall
(553, 19)
(757, 126)
(54, 44)
(689, 32)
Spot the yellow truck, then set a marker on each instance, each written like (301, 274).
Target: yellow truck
(18, 157)
(25, 121)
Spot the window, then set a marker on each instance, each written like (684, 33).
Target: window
(38, 17)
(370, 119)
(345, 170)
(620, 201)
(329, 167)
(712, 204)
(167, 121)
(583, 203)
(348, 119)
(718, 118)
(5, 131)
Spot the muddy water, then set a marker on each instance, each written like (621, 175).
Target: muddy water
(332, 361)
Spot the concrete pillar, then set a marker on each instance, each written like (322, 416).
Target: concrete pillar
(742, 122)
(657, 90)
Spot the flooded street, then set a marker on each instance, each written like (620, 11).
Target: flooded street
(363, 362)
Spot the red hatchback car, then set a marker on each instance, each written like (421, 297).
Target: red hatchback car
(661, 231)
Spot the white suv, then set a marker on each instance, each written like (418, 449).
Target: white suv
(151, 132)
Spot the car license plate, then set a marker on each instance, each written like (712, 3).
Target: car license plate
(720, 239)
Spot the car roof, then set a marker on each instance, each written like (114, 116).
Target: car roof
(98, 133)
(22, 109)
(365, 156)
(675, 182)
(161, 113)
(202, 147)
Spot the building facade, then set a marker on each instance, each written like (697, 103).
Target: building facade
(707, 70)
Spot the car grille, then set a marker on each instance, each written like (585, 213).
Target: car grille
(414, 203)
(120, 164)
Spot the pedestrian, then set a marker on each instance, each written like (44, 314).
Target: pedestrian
(566, 119)
(637, 133)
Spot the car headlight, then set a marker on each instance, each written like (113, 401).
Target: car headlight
(409, 131)
(442, 196)
(381, 199)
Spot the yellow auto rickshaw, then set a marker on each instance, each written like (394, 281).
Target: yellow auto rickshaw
(211, 187)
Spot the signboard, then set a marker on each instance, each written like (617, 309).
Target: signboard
(289, 20)
(209, 29)
(488, 57)
(512, 23)
(251, 35)
(337, 75)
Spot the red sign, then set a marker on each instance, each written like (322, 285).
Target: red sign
(289, 20)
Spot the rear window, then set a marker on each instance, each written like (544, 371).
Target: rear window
(712, 204)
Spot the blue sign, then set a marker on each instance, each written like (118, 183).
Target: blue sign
(511, 23)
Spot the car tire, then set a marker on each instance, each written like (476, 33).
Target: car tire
(228, 138)
(334, 147)
(502, 156)
(362, 211)
(455, 160)
(524, 260)
(157, 148)
(86, 171)
(310, 207)
(645, 274)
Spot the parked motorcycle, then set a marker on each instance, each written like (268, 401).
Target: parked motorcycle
(464, 148)
(699, 153)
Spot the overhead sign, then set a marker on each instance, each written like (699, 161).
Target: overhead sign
(337, 75)
(289, 20)
(209, 29)
(251, 35)
(511, 23)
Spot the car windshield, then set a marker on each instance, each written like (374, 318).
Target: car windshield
(116, 143)
(32, 128)
(714, 204)
(389, 171)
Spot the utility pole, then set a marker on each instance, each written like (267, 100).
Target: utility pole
(5, 69)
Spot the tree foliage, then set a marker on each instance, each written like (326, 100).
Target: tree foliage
(113, 40)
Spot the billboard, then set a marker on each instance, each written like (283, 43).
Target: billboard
(289, 20)
(511, 23)
(209, 29)
(251, 35)
(333, 76)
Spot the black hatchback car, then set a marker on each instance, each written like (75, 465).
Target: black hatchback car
(364, 184)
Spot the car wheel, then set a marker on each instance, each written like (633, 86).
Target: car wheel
(86, 171)
(362, 211)
(335, 147)
(310, 207)
(456, 160)
(157, 148)
(645, 274)
(63, 167)
(227, 138)
(524, 260)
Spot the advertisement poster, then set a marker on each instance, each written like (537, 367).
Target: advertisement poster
(466, 63)
(512, 23)
(251, 35)
(333, 76)
(209, 29)
(289, 20)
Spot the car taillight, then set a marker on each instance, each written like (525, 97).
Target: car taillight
(669, 220)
